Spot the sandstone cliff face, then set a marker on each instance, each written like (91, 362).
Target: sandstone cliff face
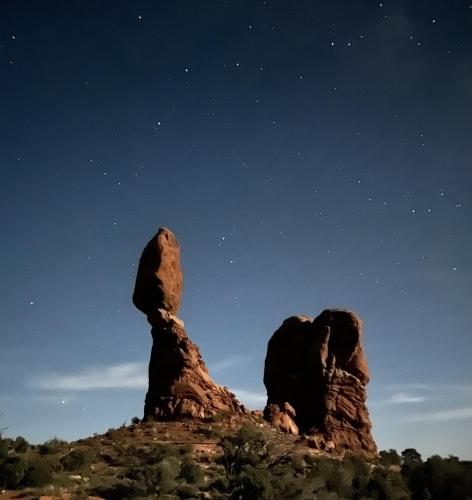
(315, 375)
(179, 383)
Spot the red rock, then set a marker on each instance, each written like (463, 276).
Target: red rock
(159, 280)
(318, 367)
(179, 383)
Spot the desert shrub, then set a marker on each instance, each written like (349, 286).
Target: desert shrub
(3, 450)
(162, 451)
(389, 458)
(411, 458)
(77, 459)
(159, 478)
(39, 473)
(51, 446)
(12, 471)
(135, 420)
(357, 472)
(219, 484)
(191, 472)
(332, 476)
(118, 490)
(211, 431)
(253, 469)
(247, 448)
(20, 445)
(439, 478)
(286, 482)
(252, 484)
(79, 494)
(188, 491)
(167, 473)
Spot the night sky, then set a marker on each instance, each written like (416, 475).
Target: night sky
(306, 154)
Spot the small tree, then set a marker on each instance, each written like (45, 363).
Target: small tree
(411, 458)
(247, 448)
(389, 458)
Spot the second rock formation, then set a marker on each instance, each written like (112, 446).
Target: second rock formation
(315, 375)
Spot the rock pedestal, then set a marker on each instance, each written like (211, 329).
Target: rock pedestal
(315, 375)
(179, 383)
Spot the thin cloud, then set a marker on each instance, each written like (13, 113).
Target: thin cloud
(430, 387)
(250, 398)
(441, 416)
(405, 398)
(229, 362)
(419, 392)
(119, 376)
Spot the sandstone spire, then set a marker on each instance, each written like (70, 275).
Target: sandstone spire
(179, 383)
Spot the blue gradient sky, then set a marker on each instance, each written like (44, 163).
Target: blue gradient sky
(306, 156)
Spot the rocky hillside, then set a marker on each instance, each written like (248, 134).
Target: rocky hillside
(226, 457)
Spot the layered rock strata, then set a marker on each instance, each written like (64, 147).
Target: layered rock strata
(179, 383)
(316, 375)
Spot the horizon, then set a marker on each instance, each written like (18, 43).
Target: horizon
(306, 157)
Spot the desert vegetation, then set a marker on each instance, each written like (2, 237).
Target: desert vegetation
(248, 462)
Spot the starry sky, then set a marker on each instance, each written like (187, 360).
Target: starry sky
(306, 154)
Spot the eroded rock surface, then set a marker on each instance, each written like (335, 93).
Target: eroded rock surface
(179, 383)
(318, 368)
(159, 280)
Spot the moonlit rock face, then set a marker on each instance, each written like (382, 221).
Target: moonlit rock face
(179, 383)
(159, 280)
(317, 369)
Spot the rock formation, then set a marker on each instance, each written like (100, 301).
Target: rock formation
(179, 383)
(159, 281)
(315, 375)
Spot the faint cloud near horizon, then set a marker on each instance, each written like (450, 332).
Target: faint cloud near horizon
(128, 376)
(441, 415)
(414, 392)
(119, 376)
(429, 387)
(229, 362)
(405, 398)
(250, 398)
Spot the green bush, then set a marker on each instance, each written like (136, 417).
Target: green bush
(159, 478)
(118, 490)
(20, 445)
(3, 450)
(389, 458)
(51, 446)
(330, 475)
(188, 491)
(167, 473)
(77, 459)
(39, 473)
(12, 471)
(247, 448)
(252, 484)
(191, 472)
(439, 478)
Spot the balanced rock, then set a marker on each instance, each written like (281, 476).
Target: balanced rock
(315, 375)
(179, 383)
(159, 279)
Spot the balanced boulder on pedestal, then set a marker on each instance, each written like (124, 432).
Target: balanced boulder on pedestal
(179, 383)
